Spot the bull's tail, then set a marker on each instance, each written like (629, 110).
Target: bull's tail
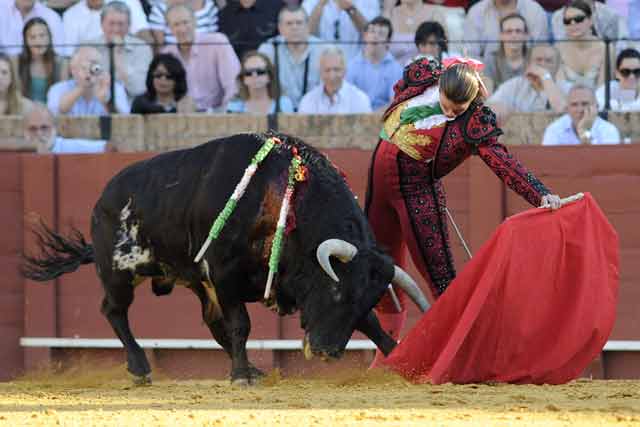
(59, 254)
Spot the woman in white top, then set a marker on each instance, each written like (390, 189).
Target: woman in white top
(624, 93)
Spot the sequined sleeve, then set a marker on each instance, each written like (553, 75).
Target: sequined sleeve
(511, 171)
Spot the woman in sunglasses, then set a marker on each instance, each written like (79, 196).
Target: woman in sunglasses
(582, 55)
(166, 88)
(624, 93)
(257, 87)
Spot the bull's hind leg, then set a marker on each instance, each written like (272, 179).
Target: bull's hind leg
(115, 307)
(213, 316)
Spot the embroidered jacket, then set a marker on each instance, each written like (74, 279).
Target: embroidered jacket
(415, 123)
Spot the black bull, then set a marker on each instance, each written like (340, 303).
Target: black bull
(153, 217)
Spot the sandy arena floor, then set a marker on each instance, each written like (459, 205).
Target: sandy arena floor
(344, 399)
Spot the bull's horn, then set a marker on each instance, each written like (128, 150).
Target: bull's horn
(340, 249)
(406, 283)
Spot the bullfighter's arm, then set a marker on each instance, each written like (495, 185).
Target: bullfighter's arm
(511, 171)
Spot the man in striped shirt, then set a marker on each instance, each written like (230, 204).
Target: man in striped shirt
(206, 14)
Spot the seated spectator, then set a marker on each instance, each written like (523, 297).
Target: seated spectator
(374, 70)
(405, 18)
(38, 67)
(582, 58)
(340, 21)
(82, 22)
(334, 95)
(298, 53)
(166, 88)
(15, 13)
(131, 55)
(205, 17)
(581, 124)
(511, 57)
(431, 41)
(11, 100)
(483, 23)
(533, 91)
(624, 93)
(212, 65)
(247, 23)
(258, 88)
(606, 22)
(40, 131)
(87, 93)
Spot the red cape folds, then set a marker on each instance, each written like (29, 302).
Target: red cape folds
(535, 305)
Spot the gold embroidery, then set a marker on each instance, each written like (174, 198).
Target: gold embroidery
(403, 136)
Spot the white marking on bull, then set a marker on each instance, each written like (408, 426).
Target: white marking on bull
(125, 212)
(128, 253)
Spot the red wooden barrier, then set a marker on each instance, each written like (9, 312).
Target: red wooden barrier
(63, 189)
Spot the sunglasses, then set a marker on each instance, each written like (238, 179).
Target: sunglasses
(163, 76)
(576, 19)
(626, 72)
(257, 71)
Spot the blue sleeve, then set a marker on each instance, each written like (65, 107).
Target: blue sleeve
(53, 99)
(286, 105)
(351, 72)
(235, 106)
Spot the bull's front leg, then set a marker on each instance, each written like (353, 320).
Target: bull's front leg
(239, 326)
(370, 326)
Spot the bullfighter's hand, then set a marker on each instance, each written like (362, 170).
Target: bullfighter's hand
(552, 201)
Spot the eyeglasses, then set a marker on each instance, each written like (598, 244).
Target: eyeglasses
(626, 72)
(42, 128)
(576, 19)
(163, 76)
(254, 71)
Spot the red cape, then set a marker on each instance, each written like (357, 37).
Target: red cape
(535, 305)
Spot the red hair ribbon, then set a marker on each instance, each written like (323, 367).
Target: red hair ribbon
(475, 64)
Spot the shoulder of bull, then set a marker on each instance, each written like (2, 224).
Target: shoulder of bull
(479, 124)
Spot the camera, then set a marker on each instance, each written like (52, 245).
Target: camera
(95, 69)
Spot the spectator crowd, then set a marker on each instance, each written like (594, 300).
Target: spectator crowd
(100, 57)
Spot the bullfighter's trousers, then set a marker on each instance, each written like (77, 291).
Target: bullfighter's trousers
(406, 209)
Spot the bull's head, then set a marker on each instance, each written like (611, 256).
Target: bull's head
(346, 293)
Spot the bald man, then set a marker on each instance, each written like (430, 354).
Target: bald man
(87, 93)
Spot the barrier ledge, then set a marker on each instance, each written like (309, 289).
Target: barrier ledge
(200, 344)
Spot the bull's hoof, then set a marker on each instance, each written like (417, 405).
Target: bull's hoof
(141, 380)
(255, 373)
(241, 382)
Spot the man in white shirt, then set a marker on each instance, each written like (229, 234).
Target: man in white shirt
(341, 20)
(13, 16)
(82, 22)
(39, 129)
(131, 55)
(533, 91)
(334, 95)
(581, 124)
